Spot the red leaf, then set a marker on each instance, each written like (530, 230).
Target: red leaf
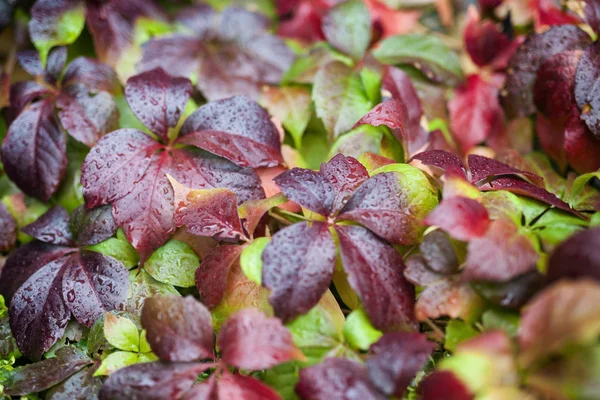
(8, 230)
(391, 113)
(297, 266)
(443, 385)
(441, 159)
(374, 270)
(483, 168)
(461, 217)
(235, 386)
(581, 146)
(249, 340)
(547, 12)
(502, 254)
(308, 188)
(158, 100)
(345, 174)
(551, 134)
(305, 24)
(391, 21)
(484, 41)
(555, 82)
(211, 275)
(178, 328)
(475, 112)
(577, 257)
(52, 227)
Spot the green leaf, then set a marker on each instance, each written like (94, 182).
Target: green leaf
(340, 98)
(347, 26)
(457, 331)
(121, 332)
(476, 370)
(144, 345)
(359, 332)
(305, 66)
(502, 204)
(174, 263)
(116, 361)
(371, 80)
(595, 220)
(118, 248)
(142, 286)
(315, 147)
(583, 196)
(505, 320)
(428, 53)
(251, 259)
(283, 378)
(24, 210)
(292, 106)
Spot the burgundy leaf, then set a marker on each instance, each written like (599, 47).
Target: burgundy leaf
(517, 97)
(80, 386)
(308, 188)
(513, 293)
(443, 385)
(396, 359)
(297, 266)
(52, 227)
(581, 146)
(235, 386)
(37, 377)
(336, 379)
(8, 230)
(211, 275)
(441, 159)
(38, 313)
(152, 381)
(178, 328)
(55, 63)
(345, 174)
(591, 14)
(483, 168)
(24, 92)
(461, 217)
(94, 284)
(484, 41)
(555, 82)
(439, 253)
(374, 270)
(251, 341)
(500, 255)
(92, 226)
(158, 100)
(548, 12)
(551, 134)
(392, 113)
(576, 257)
(34, 151)
(95, 75)
(30, 61)
(236, 128)
(305, 24)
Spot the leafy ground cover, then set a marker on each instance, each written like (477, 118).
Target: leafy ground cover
(300, 199)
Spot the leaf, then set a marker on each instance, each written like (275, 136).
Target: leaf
(252, 211)
(118, 248)
(440, 253)
(374, 270)
(92, 226)
(441, 159)
(457, 332)
(297, 267)
(576, 258)
(94, 74)
(292, 106)
(251, 341)
(52, 227)
(80, 386)
(308, 188)
(441, 384)
(346, 175)
(33, 378)
(461, 217)
(251, 259)
(512, 294)
(121, 333)
(517, 96)
(174, 263)
(211, 276)
(158, 100)
(581, 146)
(347, 27)
(34, 151)
(151, 381)
(336, 379)
(178, 328)
(144, 286)
(115, 361)
(339, 97)
(358, 331)
(500, 255)
(55, 23)
(562, 314)
(235, 386)
(395, 360)
(483, 168)
(427, 53)
(8, 232)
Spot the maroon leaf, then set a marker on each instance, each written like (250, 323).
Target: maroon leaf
(581, 146)
(502, 254)
(551, 134)
(8, 230)
(443, 385)
(152, 381)
(178, 328)
(392, 113)
(211, 275)
(591, 14)
(52, 227)
(95, 75)
(439, 253)
(80, 386)
(517, 97)
(55, 63)
(511, 294)
(345, 174)
(483, 168)
(336, 379)
(237, 129)
(374, 270)
(396, 359)
(38, 313)
(92, 226)
(25, 92)
(34, 151)
(555, 82)
(461, 217)
(251, 341)
(441, 159)
(235, 386)
(485, 42)
(308, 188)
(93, 284)
(297, 266)
(576, 257)
(158, 100)
(30, 61)
(33, 378)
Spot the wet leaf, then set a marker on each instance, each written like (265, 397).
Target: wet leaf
(174, 263)
(347, 27)
(211, 276)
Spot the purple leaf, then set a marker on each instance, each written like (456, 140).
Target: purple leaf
(92, 226)
(308, 188)
(396, 359)
(8, 230)
(24, 92)
(483, 168)
(235, 386)
(29, 60)
(297, 266)
(158, 100)
(152, 381)
(80, 386)
(178, 328)
(336, 379)
(93, 284)
(95, 75)
(439, 253)
(37, 377)
(461, 217)
(55, 64)
(374, 270)
(251, 341)
(591, 14)
(441, 159)
(52, 227)
(236, 128)
(345, 174)
(34, 151)
(443, 385)
(587, 81)
(513, 293)
(211, 275)
(577, 257)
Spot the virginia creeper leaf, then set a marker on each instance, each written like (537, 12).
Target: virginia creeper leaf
(173, 263)
(461, 217)
(211, 276)
(347, 27)
(52, 227)
(8, 232)
(576, 257)
(92, 226)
